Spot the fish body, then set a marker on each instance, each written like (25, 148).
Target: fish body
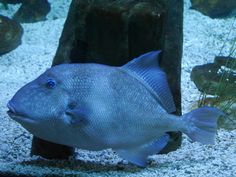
(95, 107)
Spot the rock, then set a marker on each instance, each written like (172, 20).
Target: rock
(214, 8)
(5, 2)
(214, 79)
(228, 62)
(10, 34)
(32, 11)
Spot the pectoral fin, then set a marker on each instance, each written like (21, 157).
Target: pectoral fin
(78, 116)
(138, 155)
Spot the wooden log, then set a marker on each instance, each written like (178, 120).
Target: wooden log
(113, 32)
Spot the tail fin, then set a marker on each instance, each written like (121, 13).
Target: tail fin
(203, 124)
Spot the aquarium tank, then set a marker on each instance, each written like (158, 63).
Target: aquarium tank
(117, 88)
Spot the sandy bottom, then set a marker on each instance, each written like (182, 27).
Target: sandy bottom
(203, 39)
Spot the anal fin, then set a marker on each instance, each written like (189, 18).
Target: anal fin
(138, 155)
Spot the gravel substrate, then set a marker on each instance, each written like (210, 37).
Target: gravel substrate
(203, 39)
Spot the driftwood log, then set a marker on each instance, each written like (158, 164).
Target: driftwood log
(113, 32)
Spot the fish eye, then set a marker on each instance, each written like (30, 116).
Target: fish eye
(51, 83)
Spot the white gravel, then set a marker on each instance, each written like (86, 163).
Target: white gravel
(203, 39)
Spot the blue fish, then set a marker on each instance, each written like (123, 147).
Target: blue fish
(95, 107)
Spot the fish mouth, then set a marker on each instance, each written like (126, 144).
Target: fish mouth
(13, 114)
(12, 111)
(19, 118)
(16, 116)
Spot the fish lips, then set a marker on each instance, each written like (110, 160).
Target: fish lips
(16, 116)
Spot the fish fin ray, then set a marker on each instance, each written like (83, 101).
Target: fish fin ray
(203, 124)
(157, 145)
(146, 69)
(138, 156)
(133, 156)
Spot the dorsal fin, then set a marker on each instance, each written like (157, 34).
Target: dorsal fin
(146, 69)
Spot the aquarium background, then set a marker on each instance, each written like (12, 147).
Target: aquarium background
(203, 40)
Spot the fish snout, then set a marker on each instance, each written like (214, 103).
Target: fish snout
(11, 107)
(13, 112)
